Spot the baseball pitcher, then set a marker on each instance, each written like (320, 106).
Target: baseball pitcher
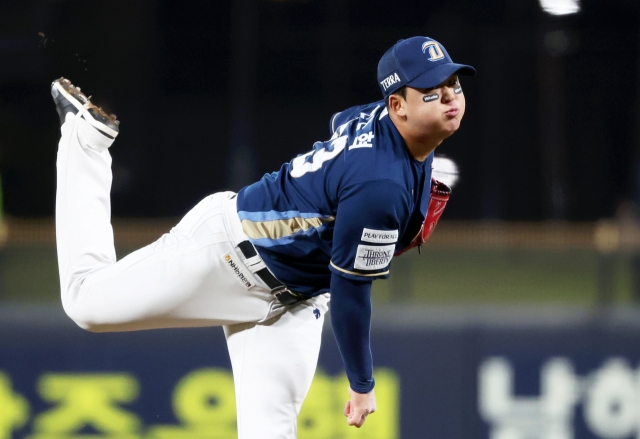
(263, 263)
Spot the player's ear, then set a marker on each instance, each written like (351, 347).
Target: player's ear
(396, 104)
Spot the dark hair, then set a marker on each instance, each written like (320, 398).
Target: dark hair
(402, 91)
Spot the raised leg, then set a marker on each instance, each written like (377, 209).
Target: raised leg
(180, 280)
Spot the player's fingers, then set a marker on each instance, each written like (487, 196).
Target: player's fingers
(357, 416)
(347, 408)
(356, 419)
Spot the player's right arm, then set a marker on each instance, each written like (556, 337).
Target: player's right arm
(351, 320)
(366, 231)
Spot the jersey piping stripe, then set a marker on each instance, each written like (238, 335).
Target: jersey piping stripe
(357, 274)
(275, 215)
(281, 228)
(333, 122)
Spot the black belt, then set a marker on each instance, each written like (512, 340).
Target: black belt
(278, 289)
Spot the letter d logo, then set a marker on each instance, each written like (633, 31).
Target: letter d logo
(435, 52)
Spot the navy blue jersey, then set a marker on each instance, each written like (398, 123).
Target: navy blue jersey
(344, 207)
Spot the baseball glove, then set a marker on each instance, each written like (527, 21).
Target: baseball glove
(440, 194)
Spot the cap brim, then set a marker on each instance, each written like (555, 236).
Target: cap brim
(437, 75)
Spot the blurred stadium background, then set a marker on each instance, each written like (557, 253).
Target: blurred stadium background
(520, 320)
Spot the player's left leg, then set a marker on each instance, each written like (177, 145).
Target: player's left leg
(273, 366)
(183, 279)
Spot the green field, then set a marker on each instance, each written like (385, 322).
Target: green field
(502, 277)
(438, 276)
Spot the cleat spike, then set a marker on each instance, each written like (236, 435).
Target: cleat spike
(70, 99)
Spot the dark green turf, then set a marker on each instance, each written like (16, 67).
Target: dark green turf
(29, 274)
(500, 276)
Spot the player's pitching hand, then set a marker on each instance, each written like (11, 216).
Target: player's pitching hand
(359, 407)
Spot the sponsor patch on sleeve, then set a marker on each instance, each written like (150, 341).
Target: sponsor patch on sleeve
(373, 257)
(379, 236)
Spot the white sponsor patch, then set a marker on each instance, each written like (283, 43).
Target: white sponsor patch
(238, 270)
(373, 257)
(379, 236)
(362, 141)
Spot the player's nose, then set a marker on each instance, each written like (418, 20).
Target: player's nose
(447, 95)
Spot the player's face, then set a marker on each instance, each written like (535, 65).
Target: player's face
(435, 112)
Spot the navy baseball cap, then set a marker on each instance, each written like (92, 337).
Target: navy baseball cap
(419, 62)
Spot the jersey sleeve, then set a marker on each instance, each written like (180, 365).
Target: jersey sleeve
(367, 228)
(342, 117)
(351, 321)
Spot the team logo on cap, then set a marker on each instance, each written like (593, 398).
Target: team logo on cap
(435, 51)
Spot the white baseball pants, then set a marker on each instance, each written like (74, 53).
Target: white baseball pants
(182, 280)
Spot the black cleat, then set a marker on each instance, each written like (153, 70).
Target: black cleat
(69, 99)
